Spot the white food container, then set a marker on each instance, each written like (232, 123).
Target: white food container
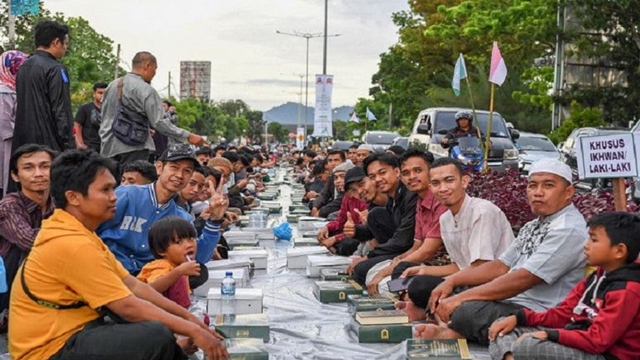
(307, 223)
(259, 257)
(241, 276)
(297, 257)
(260, 233)
(247, 301)
(305, 242)
(240, 235)
(235, 263)
(317, 262)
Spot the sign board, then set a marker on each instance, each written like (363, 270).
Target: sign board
(322, 121)
(195, 80)
(300, 138)
(607, 156)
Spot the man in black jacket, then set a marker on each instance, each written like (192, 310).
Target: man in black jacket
(329, 200)
(393, 237)
(44, 112)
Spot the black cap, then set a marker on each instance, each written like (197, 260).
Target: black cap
(353, 175)
(179, 152)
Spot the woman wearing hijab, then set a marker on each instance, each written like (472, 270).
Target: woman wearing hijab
(10, 62)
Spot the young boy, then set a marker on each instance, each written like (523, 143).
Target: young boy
(172, 242)
(600, 318)
(70, 279)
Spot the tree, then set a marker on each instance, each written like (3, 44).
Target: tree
(341, 130)
(89, 59)
(233, 108)
(211, 119)
(279, 132)
(609, 39)
(580, 117)
(255, 130)
(416, 72)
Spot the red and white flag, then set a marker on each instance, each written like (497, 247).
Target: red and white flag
(498, 68)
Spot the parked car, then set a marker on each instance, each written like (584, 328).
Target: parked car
(401, 141)
(533, 147)
(343, 145)
(432, 121)
(379, 140)
(568, 154)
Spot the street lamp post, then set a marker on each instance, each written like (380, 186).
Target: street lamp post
(307, 36)
(326, 21)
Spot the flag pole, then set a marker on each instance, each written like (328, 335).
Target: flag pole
(488, 144)
(475, 116)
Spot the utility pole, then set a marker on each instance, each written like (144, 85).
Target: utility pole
(115, 71)
(169, 87)
(306, 96)
(556, 114)
(326, 25)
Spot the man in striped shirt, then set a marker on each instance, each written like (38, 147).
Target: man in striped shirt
(22, 212)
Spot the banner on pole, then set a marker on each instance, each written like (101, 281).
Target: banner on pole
(322, 120)
(300, 138)
(21, 7)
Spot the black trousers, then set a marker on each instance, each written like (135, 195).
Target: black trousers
(381, 225)
(347, 246)
(12, 263)
(421, 287)
(378, 222)
(149, 340)
(361, 270)
(473, 319)
(401, 267)
(126, 158)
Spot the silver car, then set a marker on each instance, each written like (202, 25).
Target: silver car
(534, 147)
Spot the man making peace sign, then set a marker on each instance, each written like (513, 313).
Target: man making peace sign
(138, 207)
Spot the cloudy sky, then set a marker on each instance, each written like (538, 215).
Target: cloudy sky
(249, 60)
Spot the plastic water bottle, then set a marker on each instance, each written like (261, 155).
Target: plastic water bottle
(228, 292)
(253, 220)
(263, 219)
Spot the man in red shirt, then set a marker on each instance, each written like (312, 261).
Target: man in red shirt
(332, 236)
(427, 247)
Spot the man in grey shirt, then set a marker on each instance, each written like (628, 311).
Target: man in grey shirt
(536, 271)
(139, 96)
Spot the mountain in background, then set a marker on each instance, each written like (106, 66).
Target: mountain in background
(287, 114)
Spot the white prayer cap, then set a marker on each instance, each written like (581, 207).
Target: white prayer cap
(365, 147)
(552, 166)
(344, 167)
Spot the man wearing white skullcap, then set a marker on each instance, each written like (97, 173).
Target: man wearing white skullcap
(536, 271)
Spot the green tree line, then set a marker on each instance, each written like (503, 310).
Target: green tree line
(415, 73)
(91, 58)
